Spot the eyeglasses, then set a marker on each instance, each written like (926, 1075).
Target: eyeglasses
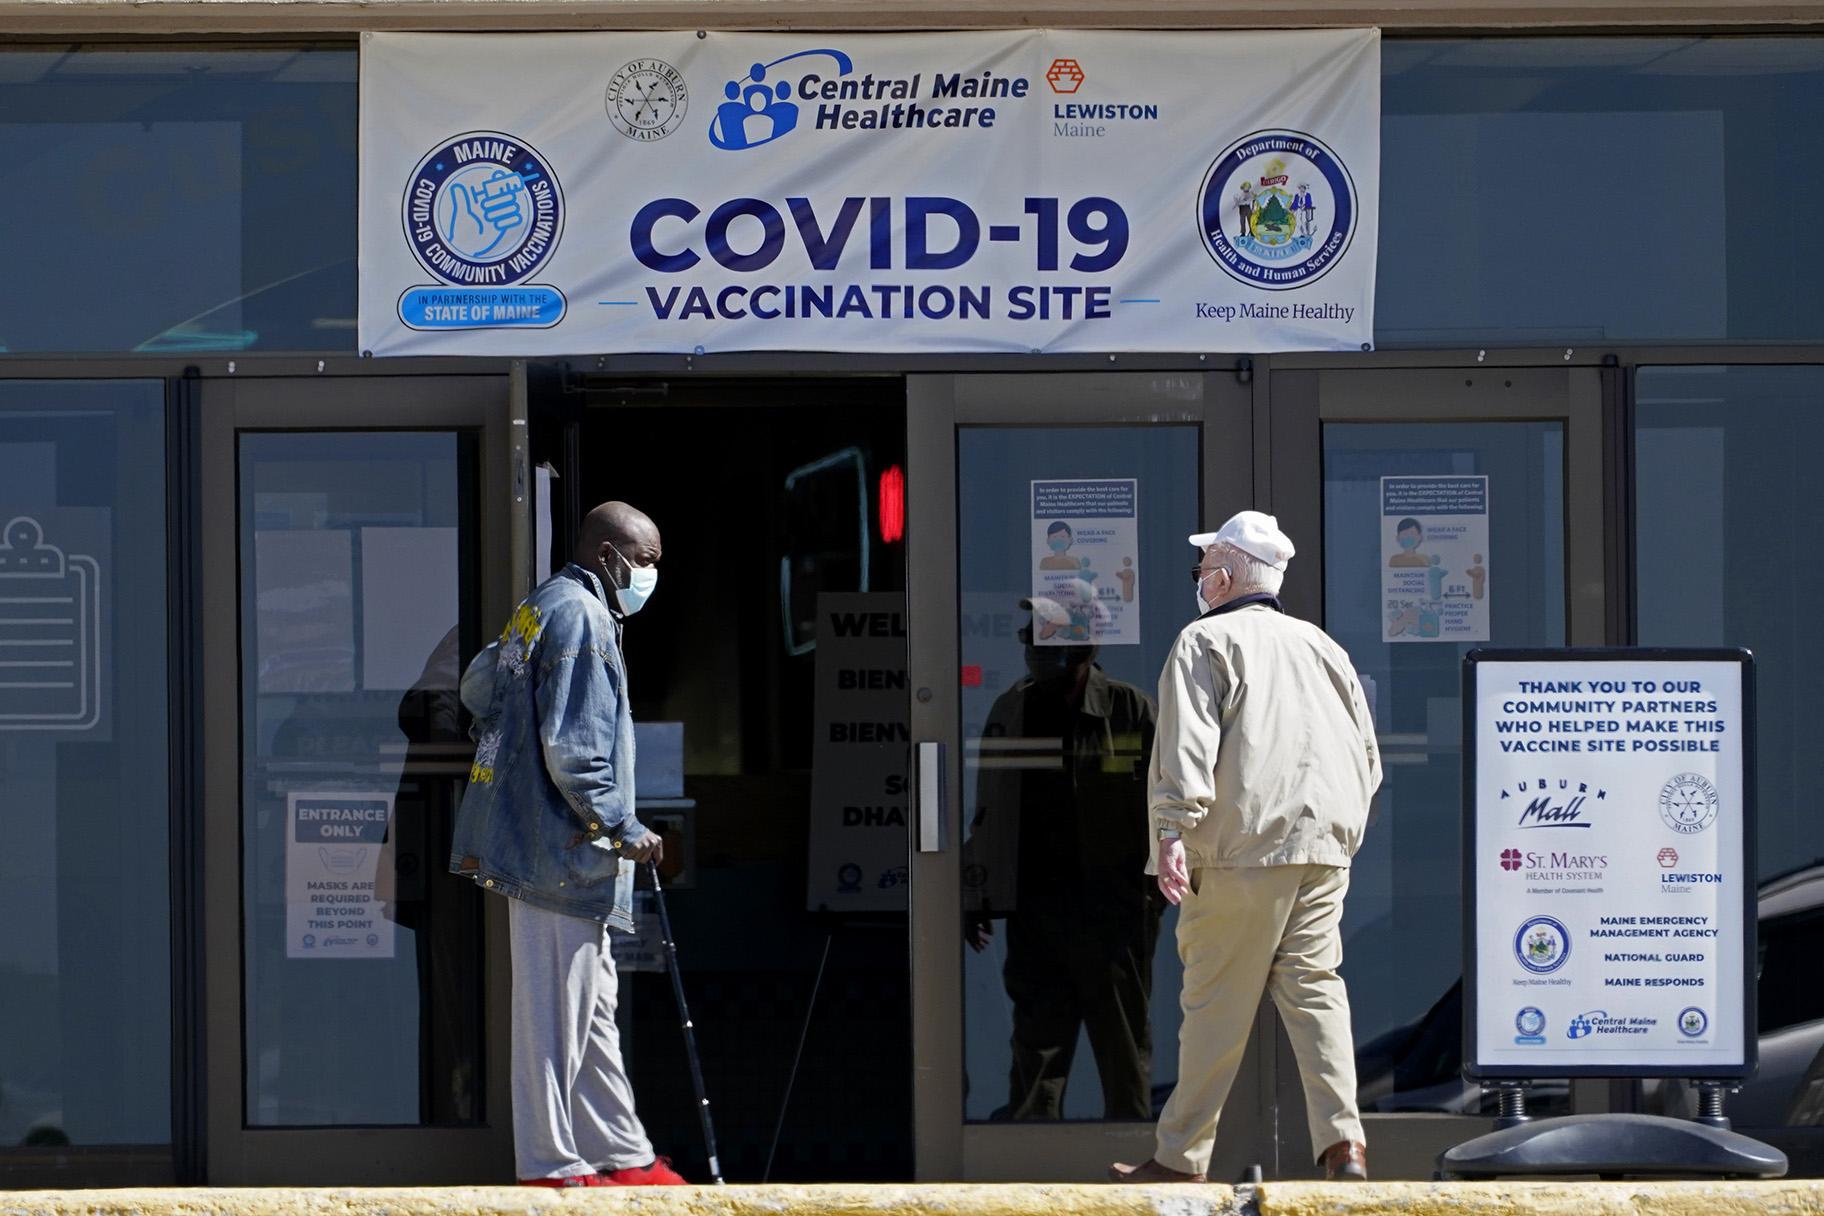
(1198, 573)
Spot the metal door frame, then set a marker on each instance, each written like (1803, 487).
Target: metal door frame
(946, 1147)
(493, 406)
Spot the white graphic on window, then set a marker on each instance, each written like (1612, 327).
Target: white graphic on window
(50, 633)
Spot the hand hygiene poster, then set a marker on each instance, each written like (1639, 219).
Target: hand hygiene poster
(1018, 191)
(1609, 870)
(1434, 559)
(1085, 554)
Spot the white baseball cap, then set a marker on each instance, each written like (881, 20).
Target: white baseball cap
(1255, 533)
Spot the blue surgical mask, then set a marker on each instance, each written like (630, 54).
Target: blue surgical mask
(1059, 544)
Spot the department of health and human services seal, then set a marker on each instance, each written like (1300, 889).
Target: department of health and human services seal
(647, 99)
(1277, 209)
(482, 212)
(1542, 945)
(1687, 803)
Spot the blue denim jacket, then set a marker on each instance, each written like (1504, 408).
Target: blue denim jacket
(551, 790)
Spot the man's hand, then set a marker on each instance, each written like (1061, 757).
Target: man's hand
(978, 931)
(1174, 879)
(650, 847)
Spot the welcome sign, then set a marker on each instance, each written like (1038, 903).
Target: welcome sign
(1035, 191)
(1610, 910)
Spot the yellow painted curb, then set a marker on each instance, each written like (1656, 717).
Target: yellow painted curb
(1799, 1198)
(895, 1200)
(1796, 1198)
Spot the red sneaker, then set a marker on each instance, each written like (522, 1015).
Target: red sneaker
(573, 1180)
(659, 1173)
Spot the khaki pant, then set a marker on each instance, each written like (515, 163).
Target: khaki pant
(1242, 932)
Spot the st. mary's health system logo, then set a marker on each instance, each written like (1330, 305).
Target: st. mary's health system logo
(482, 213)
(1277, 209)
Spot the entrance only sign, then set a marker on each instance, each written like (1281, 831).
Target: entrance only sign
(1609, 909)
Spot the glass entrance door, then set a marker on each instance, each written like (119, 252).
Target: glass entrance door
(356, 570)
(1444, 511)
(1433, 511)
(1048, 582)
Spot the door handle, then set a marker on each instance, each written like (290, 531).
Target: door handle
(932, 799)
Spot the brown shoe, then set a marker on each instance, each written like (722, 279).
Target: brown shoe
(1152, 1171)
(1345, 1161)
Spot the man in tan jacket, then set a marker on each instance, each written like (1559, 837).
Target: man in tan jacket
(1263, 765)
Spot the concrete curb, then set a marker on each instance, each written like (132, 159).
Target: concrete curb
(1797, 1198)
(1802, 1198)
(889, 1200)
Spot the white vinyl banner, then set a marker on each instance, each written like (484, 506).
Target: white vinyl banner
(1609, 867)
(1011, 191)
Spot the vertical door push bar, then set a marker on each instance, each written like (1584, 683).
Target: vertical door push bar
(932, 797)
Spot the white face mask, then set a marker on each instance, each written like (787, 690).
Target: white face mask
(642, 581)
(1203, 605)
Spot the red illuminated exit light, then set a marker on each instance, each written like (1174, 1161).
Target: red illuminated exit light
(893, 505)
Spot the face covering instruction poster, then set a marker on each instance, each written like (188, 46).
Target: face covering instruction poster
(332, 854)
(1085, 562)
(1434, 559)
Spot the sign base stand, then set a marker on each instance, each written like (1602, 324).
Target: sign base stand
(1612, 1146)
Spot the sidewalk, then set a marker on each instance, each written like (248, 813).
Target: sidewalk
(1798, 1198)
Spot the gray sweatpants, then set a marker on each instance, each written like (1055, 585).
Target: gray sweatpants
(572, 1104)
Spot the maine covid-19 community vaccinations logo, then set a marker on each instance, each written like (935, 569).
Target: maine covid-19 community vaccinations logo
(483, 213)
(1277, 209)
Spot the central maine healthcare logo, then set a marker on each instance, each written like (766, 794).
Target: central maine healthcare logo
(758, 108)
(1542, 945)
(1277, 209)
(483, 213)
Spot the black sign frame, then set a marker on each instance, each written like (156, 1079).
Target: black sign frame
(1472, 1068)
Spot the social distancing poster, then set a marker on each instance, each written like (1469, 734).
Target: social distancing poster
(1085, 555)
(1434, 559)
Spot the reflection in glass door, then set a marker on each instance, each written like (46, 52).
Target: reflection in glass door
(358, 604)
(1499, 578)
(1071, 540)
(1047, 580)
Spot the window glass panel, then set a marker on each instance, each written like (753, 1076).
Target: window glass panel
(363, 954)
(1576, 190)
(85, 1026)
(1727, 503)
(186, 200)
(1402, 925)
